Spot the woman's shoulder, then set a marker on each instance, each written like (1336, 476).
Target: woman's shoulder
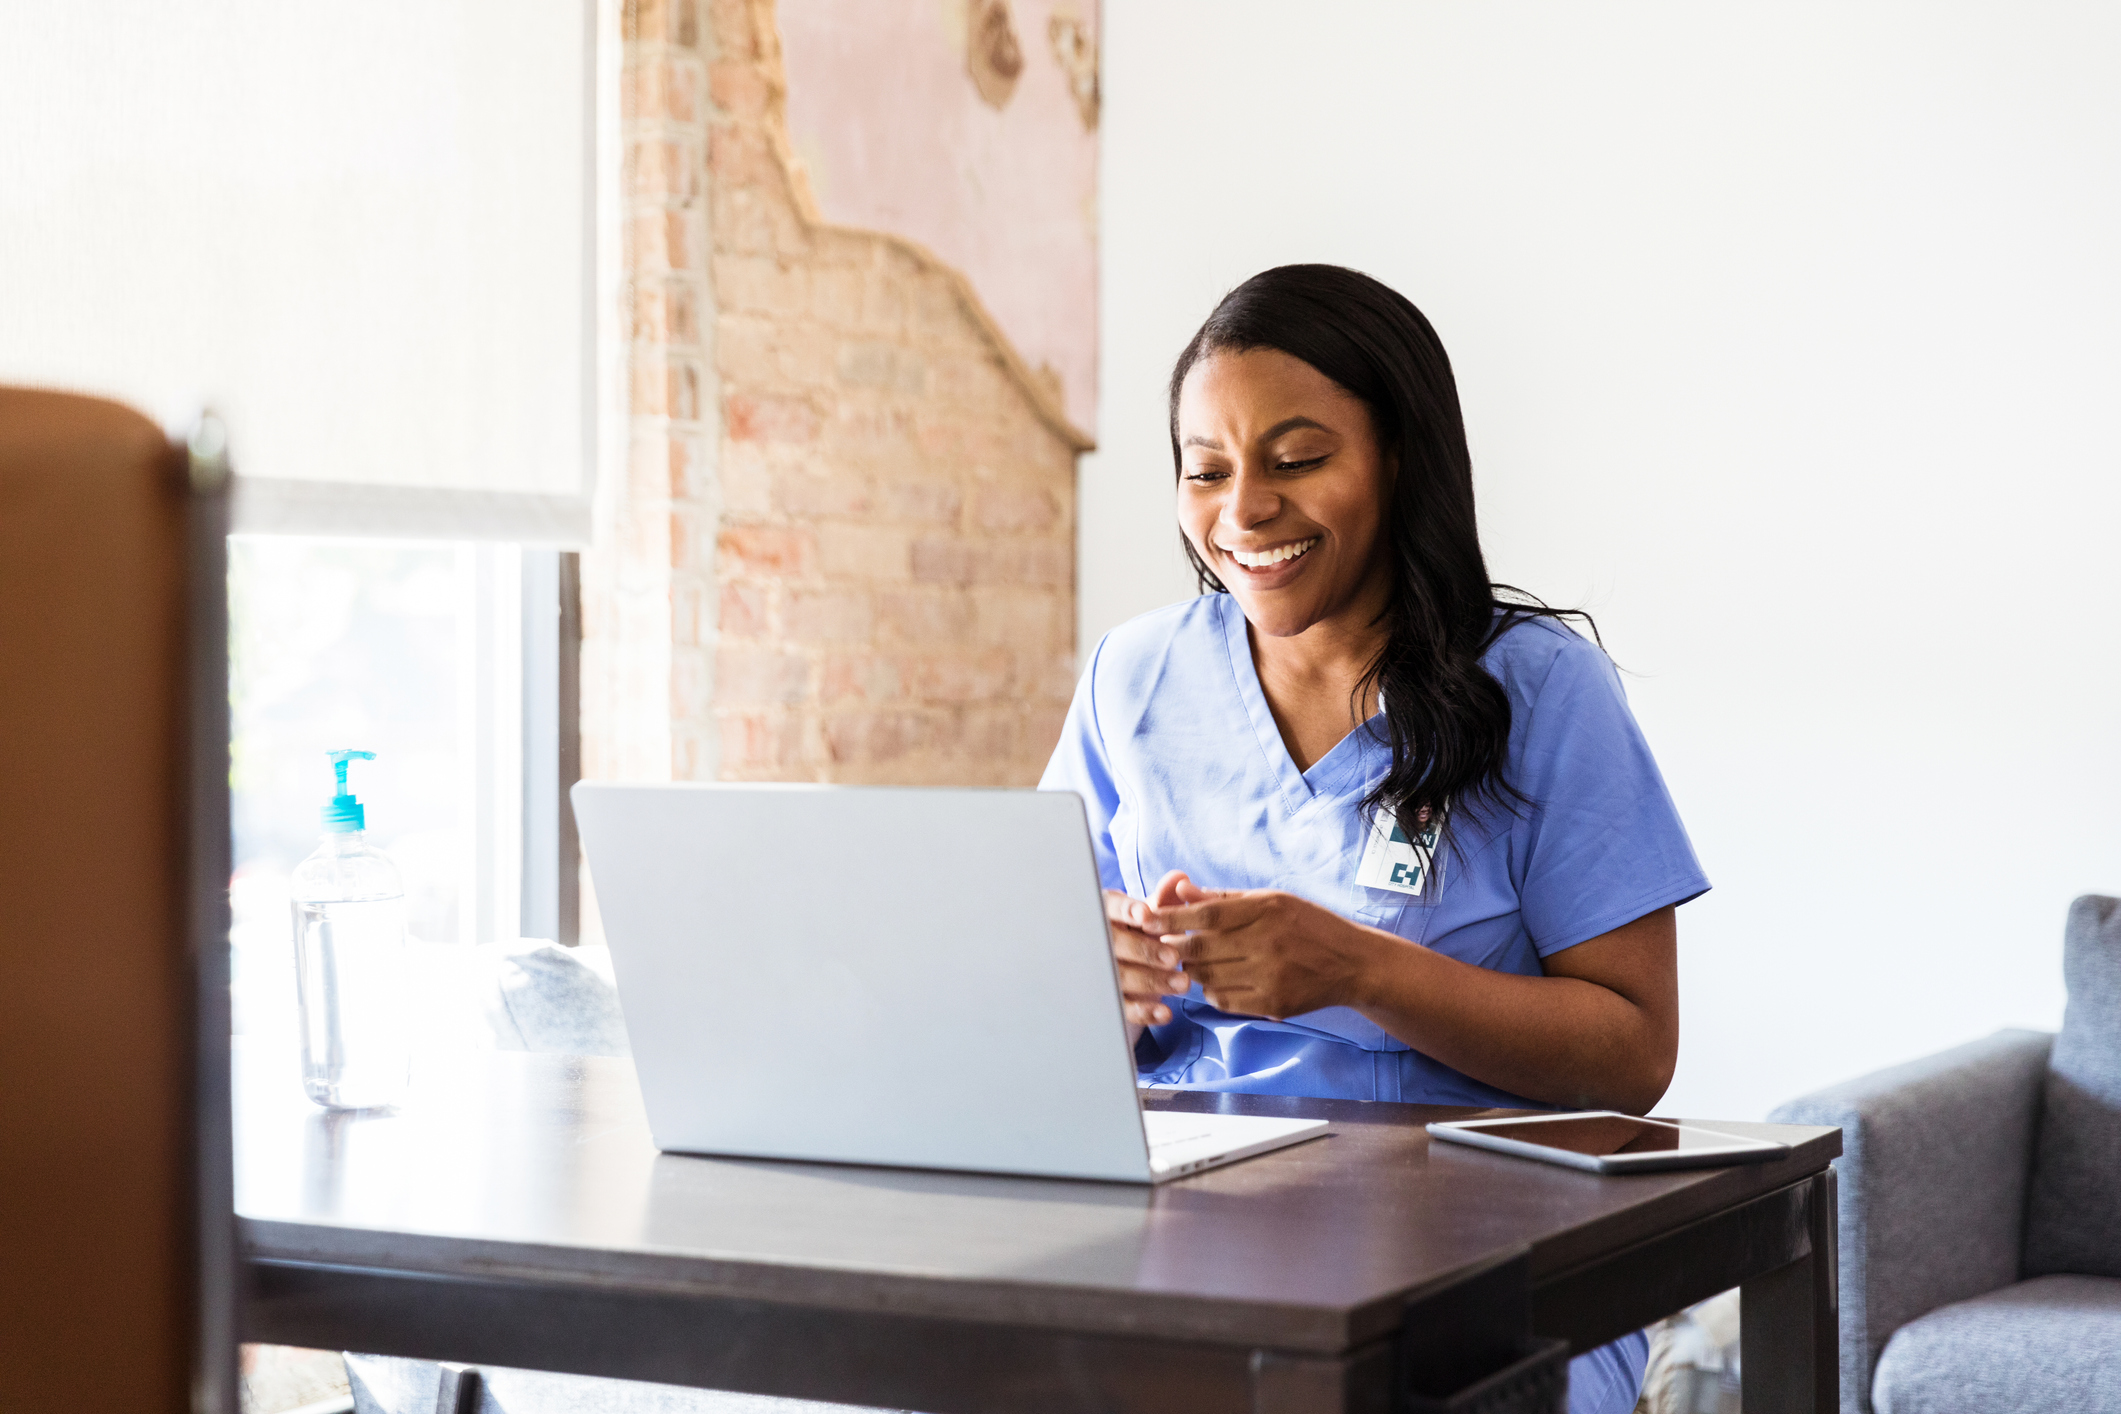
(1188, 626)
(1533, 653)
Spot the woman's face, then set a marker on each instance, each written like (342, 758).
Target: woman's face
(1282, 489)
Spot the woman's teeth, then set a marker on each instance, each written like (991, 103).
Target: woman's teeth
(1272, 557)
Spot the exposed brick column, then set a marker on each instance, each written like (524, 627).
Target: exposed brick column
(647, 587)
(846, 550)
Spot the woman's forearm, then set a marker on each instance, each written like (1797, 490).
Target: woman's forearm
(1599, 1029)
(1564, 1039)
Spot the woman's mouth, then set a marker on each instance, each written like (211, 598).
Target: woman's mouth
(1269, 558)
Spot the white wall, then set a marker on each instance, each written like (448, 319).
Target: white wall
(1790, 342)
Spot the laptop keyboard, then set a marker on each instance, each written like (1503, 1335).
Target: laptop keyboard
(1180, 1143)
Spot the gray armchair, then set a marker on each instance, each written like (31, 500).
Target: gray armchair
(1981, 1210)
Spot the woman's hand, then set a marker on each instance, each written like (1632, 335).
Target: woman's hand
(1148, 967)
(1260, 952)
(1600, 1030)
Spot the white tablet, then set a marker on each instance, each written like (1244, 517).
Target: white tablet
(1606, 1141)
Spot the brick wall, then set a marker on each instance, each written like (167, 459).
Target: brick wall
(844, 549)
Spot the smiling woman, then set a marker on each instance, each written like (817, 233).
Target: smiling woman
(1370, 825)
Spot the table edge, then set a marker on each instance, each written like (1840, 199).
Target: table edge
(999, 1301)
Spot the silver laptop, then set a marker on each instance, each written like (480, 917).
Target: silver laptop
(875, 975)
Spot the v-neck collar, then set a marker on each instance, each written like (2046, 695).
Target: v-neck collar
(1337, 773)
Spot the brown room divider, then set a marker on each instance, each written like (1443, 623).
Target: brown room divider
(116, 1227)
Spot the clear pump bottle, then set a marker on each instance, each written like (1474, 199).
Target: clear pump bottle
(349, 914)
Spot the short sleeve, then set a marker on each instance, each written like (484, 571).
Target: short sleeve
(1600, 843)
(1080, 764)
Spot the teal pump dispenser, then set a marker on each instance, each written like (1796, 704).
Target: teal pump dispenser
(350, 982)
(343, 812)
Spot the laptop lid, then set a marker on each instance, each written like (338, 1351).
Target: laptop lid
(870, 975)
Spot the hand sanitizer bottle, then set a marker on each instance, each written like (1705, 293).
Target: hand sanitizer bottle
(349, 961)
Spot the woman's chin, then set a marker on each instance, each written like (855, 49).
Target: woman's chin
(1273, 613)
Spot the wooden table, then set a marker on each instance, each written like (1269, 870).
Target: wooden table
(515, 1213)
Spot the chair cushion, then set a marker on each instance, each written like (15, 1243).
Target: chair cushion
(2073, 1202)
(2045, 1345)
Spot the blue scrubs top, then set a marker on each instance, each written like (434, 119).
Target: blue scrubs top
(1171, 746)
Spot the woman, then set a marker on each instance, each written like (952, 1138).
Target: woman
(1370, 826)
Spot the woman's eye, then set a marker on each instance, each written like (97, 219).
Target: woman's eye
(1305, 465)
(1206, 476)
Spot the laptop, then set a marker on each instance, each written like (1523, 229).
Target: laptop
(872, 975)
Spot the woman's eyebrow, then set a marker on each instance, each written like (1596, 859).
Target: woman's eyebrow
(1287, 424)
(1290, 424)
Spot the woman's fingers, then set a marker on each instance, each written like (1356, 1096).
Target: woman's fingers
(1133, 945)
(1176, 908)
(1152, 979)
(1220, 912)
(1186, 891)
(1132, 913)
(1185, 936)
(1138, 981)
(1171, 890)
(1142, 991)
(1212, 917)
(1148, 967)
(1147, 1013)
(1198, 950)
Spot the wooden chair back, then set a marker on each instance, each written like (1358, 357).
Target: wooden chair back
(115, 1211)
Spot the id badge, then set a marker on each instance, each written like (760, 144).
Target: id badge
(1392, 861)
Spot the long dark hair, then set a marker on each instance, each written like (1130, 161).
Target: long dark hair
(1447, 717)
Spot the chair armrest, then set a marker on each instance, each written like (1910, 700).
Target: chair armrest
(1932, 1173)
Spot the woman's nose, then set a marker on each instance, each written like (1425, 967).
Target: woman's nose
(1252, 501)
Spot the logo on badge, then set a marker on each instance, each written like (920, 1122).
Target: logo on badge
(1390, 860)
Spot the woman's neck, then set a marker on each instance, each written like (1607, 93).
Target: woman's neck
(1310, 679)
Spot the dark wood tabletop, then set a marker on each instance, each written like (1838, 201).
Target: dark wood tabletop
(537, 1172)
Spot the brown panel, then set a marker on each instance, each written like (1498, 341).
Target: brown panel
(96, 1013)
(1625, 1291)
(883, 1358)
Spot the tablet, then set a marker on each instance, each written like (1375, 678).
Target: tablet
(1606, 1141)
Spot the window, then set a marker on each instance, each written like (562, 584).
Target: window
(454, 664)
(395, 275)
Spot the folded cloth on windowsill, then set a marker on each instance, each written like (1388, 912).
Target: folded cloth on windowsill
(552, 998)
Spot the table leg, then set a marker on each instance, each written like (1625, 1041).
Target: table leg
(1789, 1323)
